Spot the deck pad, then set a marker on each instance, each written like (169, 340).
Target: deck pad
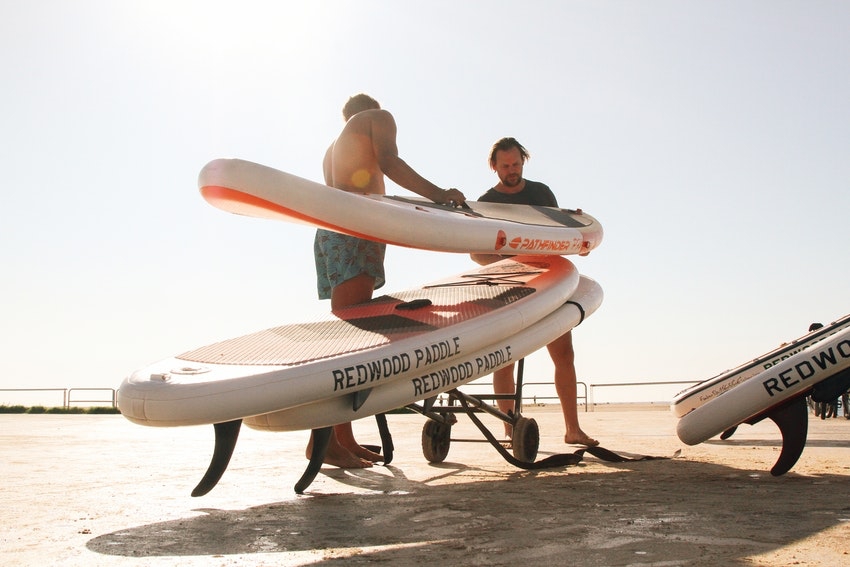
(352, 349)
(353, 331)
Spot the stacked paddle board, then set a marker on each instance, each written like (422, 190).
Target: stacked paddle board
(446, 375)
(465, 323)
(395, 349)
(756, 387)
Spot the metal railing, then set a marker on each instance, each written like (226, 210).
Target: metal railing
(68, 398)
(532, 399)
(584, 398)
(590, 400)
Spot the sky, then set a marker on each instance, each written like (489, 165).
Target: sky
(710, 139)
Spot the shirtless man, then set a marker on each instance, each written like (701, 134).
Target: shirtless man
(507, 158)
(349, 269)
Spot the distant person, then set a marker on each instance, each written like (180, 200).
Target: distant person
(507, 158)
(349, 269)
(827, 408)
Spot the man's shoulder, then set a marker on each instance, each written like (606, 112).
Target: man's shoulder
(492, 195)
(536, 185)
(371, 114)
(366, 122)
(540, 193)
(533, 193)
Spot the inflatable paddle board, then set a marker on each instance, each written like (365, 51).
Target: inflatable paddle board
(707, 390)
(781, 382)
(247, 188)
(442, 377)
(352, 350)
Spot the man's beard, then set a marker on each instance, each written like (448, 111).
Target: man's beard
(512, 180)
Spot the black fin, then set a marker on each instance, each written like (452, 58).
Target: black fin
(428, 404)
(386, 437)
(321, 438)
(359, 397)
(793, 421)
(728, 433)
(226, 435)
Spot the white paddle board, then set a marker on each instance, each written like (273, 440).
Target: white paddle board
(768, 389)
(353, 349)
(707, 390)
(443, 377)
(251, 189)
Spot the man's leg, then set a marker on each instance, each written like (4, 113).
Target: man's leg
(351, 292)
(561, 351)
(343, 449)
(503, 383)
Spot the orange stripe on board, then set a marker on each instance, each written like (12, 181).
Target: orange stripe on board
(240, 203)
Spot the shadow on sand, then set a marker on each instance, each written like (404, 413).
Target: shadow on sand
(671, 512)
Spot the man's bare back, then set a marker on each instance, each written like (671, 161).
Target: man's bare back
(366, 150)
(351, 163)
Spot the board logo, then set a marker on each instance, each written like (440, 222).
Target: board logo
(501, 240)
(826, 359)
(554, 246)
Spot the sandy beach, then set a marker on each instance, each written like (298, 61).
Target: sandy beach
(94, 490)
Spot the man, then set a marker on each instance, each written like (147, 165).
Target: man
(349, 269)
(507, 158)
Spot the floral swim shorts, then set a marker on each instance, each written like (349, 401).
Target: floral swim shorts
(340, 257)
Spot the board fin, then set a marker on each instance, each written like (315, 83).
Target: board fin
(359, 398)
(386, 437)
(792, 418)
(226, 434)
(793, 421)
(428, 404)
(321, 439)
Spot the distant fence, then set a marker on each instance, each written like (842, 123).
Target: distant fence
(534, 393)
(71, 396)
(593, 387)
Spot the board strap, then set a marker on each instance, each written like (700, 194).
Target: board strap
(558, 460)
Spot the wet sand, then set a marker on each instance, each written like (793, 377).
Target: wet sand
(93, 490)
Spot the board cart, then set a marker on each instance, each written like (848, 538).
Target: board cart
(436, 433)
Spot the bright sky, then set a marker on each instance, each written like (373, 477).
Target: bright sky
(710, 138)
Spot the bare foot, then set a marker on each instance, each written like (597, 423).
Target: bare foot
(581, 439)
(343, 458)
(339, 456)
(365, 454)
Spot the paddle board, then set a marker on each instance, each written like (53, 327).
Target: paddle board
(443, 377)
(352, 349)
(768, 389)
(707, 390)
(252, 189)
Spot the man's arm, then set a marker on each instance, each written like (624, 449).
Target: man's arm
(384, 144)
(327, 166)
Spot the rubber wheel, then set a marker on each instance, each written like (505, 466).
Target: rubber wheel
(436, 439)
(525, 439)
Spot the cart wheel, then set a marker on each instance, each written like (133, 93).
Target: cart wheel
(526, 439)
(436, 439)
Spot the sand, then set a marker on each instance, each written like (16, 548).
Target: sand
(94, 490)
